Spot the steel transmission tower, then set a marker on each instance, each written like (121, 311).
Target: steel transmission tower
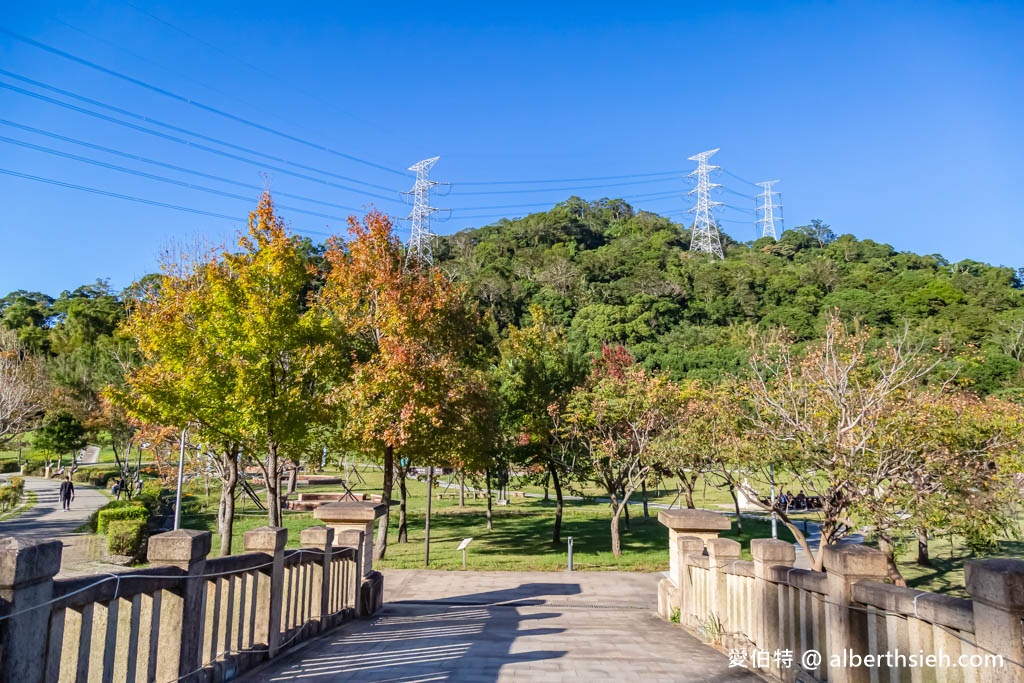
(705, 229)
(421, 240)
(766, 207)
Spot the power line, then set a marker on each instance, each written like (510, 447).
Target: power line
(131, 198)
(162, 179)
(191, 144)
(560, 189)
(257, 69)
(571, 180)
(173, 167)
(189, 101)
(653, 196)
(743, 180)
(184, 131)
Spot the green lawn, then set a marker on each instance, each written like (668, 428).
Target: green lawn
(519, 541)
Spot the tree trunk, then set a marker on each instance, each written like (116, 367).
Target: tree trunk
(293, 477)
(380, 548)
(923, 558)
(886, 546)
(487, 476)
(403, 503)
(616, 539)
(643, 494)
(273, 477)
(688, 486)
(736, 505)
(625, 509)
(426, 528)
(462, 488)
(547, 481)
(229, 463)
(556, 537)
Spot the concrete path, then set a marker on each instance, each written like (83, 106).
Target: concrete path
(509, 626)
(49, 521)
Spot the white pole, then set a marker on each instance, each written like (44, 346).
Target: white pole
(775, 532)
(181, 468)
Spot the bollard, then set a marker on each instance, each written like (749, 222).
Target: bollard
(570, 554)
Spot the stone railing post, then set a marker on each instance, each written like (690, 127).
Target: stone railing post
(320, 538)
(27, 569)
(721, 551)
(768, 553)
(353, 524)
(685, 546)
(699, 524)
(181, 610)
(270, 585)
(997, 588)
(845, 565)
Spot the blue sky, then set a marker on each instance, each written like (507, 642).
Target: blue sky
(899, 122)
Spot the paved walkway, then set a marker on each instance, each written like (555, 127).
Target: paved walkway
(509, 626)
(48, 520)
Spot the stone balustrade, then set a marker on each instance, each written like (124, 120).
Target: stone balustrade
(185, 617)
(765, 605)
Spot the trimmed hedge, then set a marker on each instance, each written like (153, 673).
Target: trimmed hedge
(107, 515)
(125, 536)
(94, 476)
(8, 466)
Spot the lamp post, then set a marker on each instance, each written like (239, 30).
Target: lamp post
(181, 469)
(771, 475)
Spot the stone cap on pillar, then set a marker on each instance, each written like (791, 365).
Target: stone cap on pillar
(855, 560)
(772, 550)
(265, 539)
(317, 537)
(24, 561)
(694, 522)
(179, 548)
(350, 512)
(724, 549)
(997, 583)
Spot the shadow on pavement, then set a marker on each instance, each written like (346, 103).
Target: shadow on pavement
(464, 638)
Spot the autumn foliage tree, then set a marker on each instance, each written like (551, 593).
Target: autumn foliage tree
(536, 374)
(235, 345)
(822, 412)
(613, 419)
(415, 377)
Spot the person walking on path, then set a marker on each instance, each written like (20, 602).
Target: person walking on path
(67, 493)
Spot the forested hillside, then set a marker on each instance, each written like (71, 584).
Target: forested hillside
(610, 274)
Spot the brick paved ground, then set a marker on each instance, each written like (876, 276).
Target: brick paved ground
(509, 626)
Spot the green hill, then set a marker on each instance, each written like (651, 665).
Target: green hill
(611, 274)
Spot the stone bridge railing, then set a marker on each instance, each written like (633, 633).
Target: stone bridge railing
(773, 616)
(185, 617)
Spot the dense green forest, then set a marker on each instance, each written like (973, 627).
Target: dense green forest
(610, 274)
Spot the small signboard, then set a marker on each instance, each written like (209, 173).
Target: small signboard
(464, 544)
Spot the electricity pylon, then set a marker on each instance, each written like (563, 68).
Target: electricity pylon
(421, 240)
(705, 229)
(765, 209)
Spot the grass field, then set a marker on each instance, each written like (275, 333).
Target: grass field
(520, 539)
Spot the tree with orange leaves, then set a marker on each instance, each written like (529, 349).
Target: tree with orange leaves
(416, 388)
(234, 346)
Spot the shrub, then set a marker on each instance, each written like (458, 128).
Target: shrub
(9, 497)
(108, 514)
(34, 467)
(147, 501)
(8, 466)
(125, 536)
(153, 487)
(18, 483)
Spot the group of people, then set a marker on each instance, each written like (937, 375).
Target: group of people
(787, 501)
